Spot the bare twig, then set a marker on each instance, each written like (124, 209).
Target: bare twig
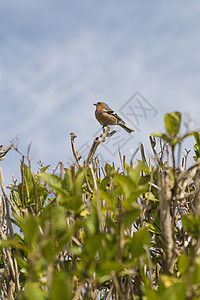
(34, 186)
(4, 152)
(191, 270)
(147, 201)
(143, 154)
(23, 206)
(98, 140)
(155, 186)
(75, 153)
(132, 157)
(165, 200)
(78, 291)
(153, 145)
(120, 156)
(4, 192)
(15, 266)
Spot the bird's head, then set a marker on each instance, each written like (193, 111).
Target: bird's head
(100, 104)
(97, 104)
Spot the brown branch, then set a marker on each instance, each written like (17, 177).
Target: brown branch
(98, 140)
(120, 157)
(22, 192)
(196, 192)
(34, 187)
(191, 270)
(147, 201)
(143, 154)
(4, 192)
(3, 152)
(75, 153)
(153, 145)
(165, 200)
(14, 266)
(78, 291)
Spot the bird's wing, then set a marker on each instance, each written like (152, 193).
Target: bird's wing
(108, 109)
(111, 112)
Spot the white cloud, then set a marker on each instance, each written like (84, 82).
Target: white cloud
(55, 64)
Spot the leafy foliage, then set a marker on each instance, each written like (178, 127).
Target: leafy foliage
(90, 234)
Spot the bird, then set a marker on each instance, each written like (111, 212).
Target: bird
(106, 116)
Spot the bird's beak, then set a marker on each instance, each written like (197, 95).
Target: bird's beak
(95, 104)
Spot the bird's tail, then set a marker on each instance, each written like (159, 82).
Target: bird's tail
(129, 130)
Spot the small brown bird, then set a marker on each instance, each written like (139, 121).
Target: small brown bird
(106, 116)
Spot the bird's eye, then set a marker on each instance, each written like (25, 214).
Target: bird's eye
(98, 103)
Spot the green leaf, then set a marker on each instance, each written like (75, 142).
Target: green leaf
(197, 150)
(172, 288)
(153, 228)
(130, 216)
(29, 226)
(105, 269)
(79, 181)
(172, 123)
(196, 273)
(92, 225)
(163, 136)
(109, 169)
(183, 263)
(191, 224)
(144, 167)
(110, 198)
(54, 182)
(11, 243)
(33, 292)
(61, 287)
(151, 196)
(49, 249)
(140, 238)
(150, 293)
(16, 200)
(43, 169)
(197, 137)
(56, 216)
(104, 183)
(125, 183)
(134, 174)
(180, 139)
(67, 181)
(92, 244)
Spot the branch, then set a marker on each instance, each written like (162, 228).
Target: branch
(3, 152)
(75, 153)
(4, 192)
(165, 199)
(153, 145)
(98, 140)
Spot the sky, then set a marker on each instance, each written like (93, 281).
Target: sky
(57, 58)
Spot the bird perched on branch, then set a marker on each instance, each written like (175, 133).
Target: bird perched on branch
(106, 116)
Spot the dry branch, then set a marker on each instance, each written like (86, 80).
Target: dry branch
(98, 140)
(4, 191)
(165, 202)
(102, 138)
(75, 153)
(153, 145)
(3, 152)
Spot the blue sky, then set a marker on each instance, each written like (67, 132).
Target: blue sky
(57, 58)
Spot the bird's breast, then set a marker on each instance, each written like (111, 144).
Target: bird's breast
(105, 118)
